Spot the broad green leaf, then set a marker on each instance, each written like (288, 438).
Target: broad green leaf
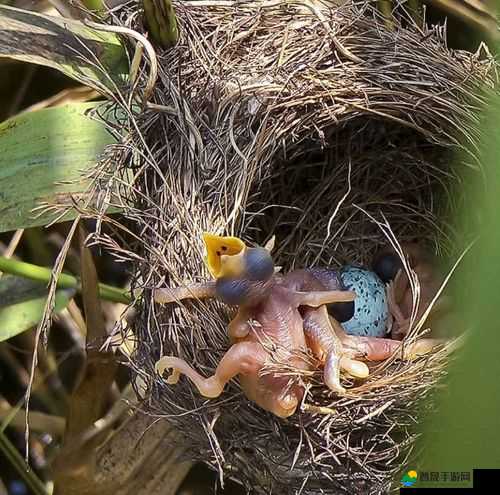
(93, 57)
(44, 157)
(22, 303)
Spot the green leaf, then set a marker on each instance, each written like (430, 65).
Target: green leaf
(96, 5)
(22, 303)
(44, 157)
(93, 57)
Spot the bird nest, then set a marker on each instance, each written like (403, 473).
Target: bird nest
(331, 131)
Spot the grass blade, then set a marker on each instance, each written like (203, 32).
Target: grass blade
(94, 58)
(22, 303)
(45, 156)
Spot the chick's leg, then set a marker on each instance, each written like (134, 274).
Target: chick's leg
(239, 327)
(326, 345)
(203, 290)
(243, 357)
(378, 349)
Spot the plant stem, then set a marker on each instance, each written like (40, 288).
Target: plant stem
(96, 5)
(65, 281)
(161, 21)
(385, 8)
(15, 417)
(415, 7)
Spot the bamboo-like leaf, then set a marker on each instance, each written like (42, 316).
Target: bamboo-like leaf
(95, 5)
(95, 58)
(22, 303)
(464, 434)
(44, 157)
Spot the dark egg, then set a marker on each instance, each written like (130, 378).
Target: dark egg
(342, 311)
(386, 265)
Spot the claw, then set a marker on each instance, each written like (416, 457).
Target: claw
(164, 364)
(331, 373)
(356, 369)
(208, 387)
(324, 341)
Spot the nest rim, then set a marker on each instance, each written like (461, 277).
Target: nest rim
(348, 152)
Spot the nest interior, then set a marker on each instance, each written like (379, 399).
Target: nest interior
(325, 128)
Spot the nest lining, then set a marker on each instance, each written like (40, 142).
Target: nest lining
(300, 120)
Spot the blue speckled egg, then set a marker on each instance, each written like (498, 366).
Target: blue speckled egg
(370, 306)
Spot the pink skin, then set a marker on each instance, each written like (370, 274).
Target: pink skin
(335, 348)
(326, 345)
(291, 317)
(379, 349)
(279, 326)
(400, 296)
(321, 337)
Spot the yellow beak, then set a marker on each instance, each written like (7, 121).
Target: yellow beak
(222, 254)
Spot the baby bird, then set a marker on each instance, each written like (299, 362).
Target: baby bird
(245, 277)
(389, 267)
(282, 316)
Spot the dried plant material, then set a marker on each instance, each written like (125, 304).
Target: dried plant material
(313, 124)
(89, 399)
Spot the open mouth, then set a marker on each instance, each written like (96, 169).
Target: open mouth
(217, 247)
